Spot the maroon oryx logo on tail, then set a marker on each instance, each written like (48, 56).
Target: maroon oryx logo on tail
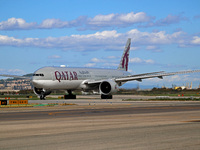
(125, 58)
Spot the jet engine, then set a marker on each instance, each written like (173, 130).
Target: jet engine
(41, 92)
(108, 87)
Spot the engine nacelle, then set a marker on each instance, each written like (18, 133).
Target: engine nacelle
(41, 92)
(108, 87)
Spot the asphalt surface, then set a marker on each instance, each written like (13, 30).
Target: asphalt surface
(94, 124)
(92, 111)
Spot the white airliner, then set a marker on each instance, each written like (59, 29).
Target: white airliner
(105, 81)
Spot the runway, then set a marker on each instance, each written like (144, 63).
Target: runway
(120, 125)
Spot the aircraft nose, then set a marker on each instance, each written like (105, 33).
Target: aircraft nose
(35, 83)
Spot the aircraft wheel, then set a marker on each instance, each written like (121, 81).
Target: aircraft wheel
(70, 96)
(106, 96)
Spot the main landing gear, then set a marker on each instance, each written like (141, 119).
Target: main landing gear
(106, 96)
(70, 95)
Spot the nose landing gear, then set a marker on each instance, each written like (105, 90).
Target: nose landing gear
(42, 96)
(42, 93)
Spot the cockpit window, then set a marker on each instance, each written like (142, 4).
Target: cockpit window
(40, 74)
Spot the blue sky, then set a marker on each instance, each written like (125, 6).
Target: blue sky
(85, 33)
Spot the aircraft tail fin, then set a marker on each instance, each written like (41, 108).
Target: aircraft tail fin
(125, 57)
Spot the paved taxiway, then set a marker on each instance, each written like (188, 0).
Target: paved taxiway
(96, 124)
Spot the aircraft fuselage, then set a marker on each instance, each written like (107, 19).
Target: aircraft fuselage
(62, 78)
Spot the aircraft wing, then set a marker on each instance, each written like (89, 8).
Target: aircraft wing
(136, 77)
(151, 73)
(139, 77)
(160, 75)
(15, 76)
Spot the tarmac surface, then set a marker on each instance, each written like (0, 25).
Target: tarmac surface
(95, 124)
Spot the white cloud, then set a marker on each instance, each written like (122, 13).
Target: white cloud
(90, 65)
(54, 57)
(139, 60)
(82, 22)
(102, 18)
(150, 47)
(99, 35)
(153, 48)
(134, 17)
(157, 38)
(174, 78)
(141, 19)
(196, 40)
(96, 60)
(170, 19)
(105, 40)
(135, 60)
(106, 63)
(118, 20)
(12, 71)
(149, 61)
(53, 23)
(16, 23)
(178, 80)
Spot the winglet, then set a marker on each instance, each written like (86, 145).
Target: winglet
(125, 57)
